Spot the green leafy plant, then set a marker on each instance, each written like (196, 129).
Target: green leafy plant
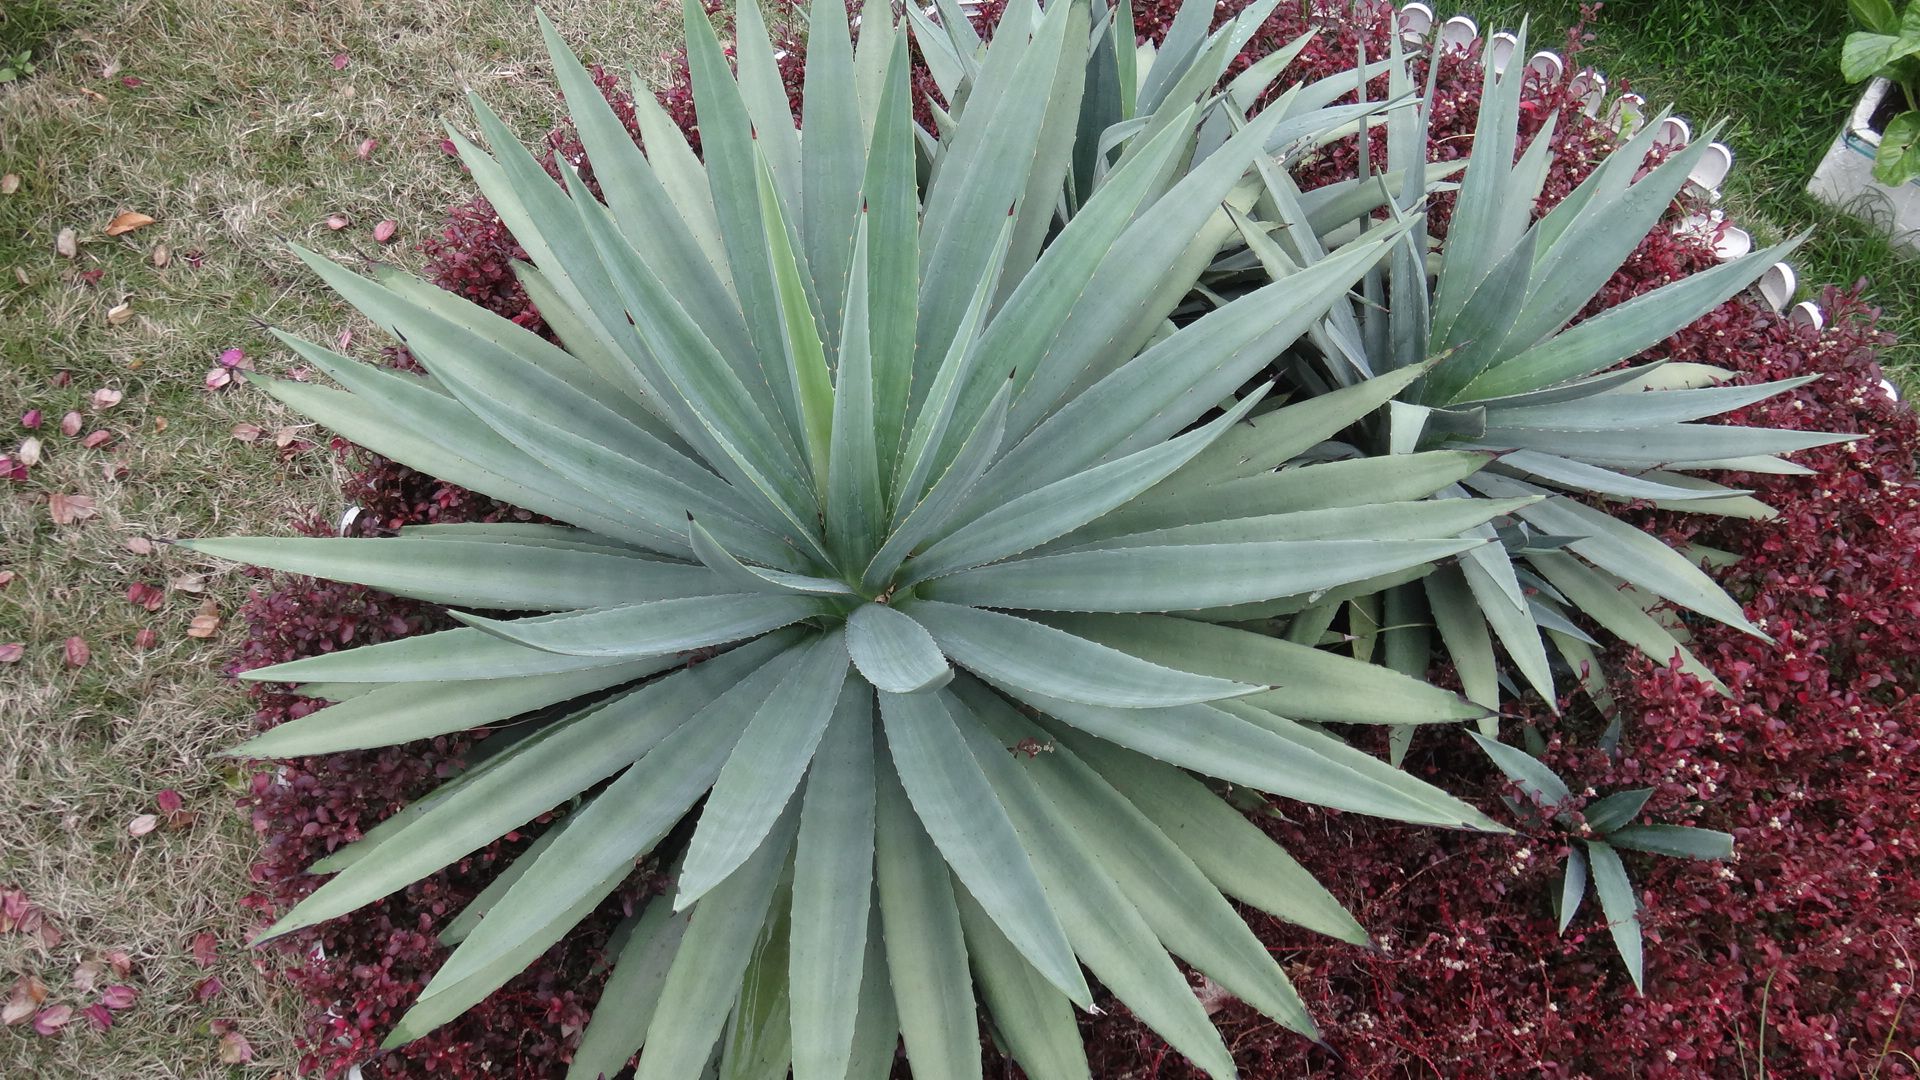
(1889, 48)
(19, 66)
(1509, 375)
(1606, 824)
(889, 506)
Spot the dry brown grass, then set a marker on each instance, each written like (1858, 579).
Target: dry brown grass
(241, 134)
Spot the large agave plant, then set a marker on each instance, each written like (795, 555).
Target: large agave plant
(1509, 375)
(865, 617)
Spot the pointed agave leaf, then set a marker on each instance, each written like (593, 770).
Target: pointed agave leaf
(1496, 588)
(1463, 629)
(765, 767)
(624, 823)
(1312, 684)
(935, 411)
(1151, 397)
(1179, 577)
(893, 652)
(1272, 439)
(539, 775)
(926, 951)
(727, 144)
(1540, 783)
(488, 575)
(947, 495)
(1357, 482)
(708, 397)
(681, 174)
(1621, 905)
(1220, 740)
(402, 712)
(832, 156)
(458, 655)
(1624, 550)
(758, 1044)
(632, 993)
(646, 212)
(1187, 913)
(1411, 520)
(856, 509)
(984, 171)
(832, 891)
(1573, 887)
(443, 1001)
(1105, 928)
(1065, 505)
(806, 355)
(419, 427)
(1034, 1017)
(1058, 664)
(705, 978)
(651, 628)
(1616, 810)
(735, 574)
(1599, 595)
(943, 781)
(1677, 840)
(893, 258)
(1236, 856)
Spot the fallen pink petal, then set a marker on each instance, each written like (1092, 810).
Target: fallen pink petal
(384, 231)
(340, 61)
(205, 949)
(207, 989)
(144, 824)
(98, 1016)
(11, 652)
(146, 639)
(169, 801)
(366, 148)
(119, 997)
(30, 419)
(70, 424)
(336, 222)
(96, 439)
(107, 398)
(77, 652)
(52, 1019)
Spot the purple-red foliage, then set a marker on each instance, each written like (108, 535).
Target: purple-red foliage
(1803, 945)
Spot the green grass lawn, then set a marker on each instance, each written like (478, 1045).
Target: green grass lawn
(1771, 68)
(237, 125)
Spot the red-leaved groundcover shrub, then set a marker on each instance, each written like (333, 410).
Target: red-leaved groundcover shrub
(1796, 960)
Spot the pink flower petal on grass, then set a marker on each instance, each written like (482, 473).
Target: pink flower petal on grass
(384, 231)
(366, 148)
(70, 424)
(169, 801)
(207, 989)
(235, 1049)
(205, 950)
(98, 1016)
(97, 439)
(77, 652)
(12, 651)
(336, 222)
(52, 1019)
(106, 398)
(119, 997)
(340, 61)
(30, 419)
(143, 824)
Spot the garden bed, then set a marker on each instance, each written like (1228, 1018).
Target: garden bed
(1793, 960)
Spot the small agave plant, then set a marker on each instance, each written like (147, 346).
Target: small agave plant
(929, 485)
(1489, 313)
